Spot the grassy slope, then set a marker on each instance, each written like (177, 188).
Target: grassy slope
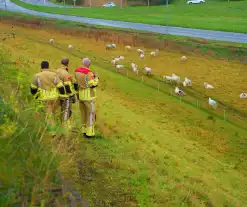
(210, 16)
(151, 140)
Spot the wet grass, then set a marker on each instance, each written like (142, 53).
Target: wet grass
(211, 15)
(154, 150)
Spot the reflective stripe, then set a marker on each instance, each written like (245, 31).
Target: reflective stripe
(86, 81)
(66, 110)
(33, 86)
(59, 85)
(55, 81)
(91, 114)
(39, 82)
(48, 95)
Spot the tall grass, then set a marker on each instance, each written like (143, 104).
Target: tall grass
(28, 166)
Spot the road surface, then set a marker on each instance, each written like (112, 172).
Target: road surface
(198, 33)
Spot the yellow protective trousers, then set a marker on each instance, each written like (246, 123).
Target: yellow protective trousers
(87, 109)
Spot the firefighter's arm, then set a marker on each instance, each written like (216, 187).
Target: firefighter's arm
(60, 87)
(68, 85)
(93, 80)
(34, 88)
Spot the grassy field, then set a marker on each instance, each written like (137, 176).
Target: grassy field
(211, 15)
(156, 151)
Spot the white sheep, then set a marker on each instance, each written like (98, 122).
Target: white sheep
(187, 82)
(243, 95)
(208, 86)
(179, 92)
(154, 53)
(70, 47)
(183, 59)
(142, 56)
(110, 46)
(140, 51)
(119, 66)
(121, 57)
(175, 78)
(135, 70)
(147, 71)
(51, 41)
(167, 78)
(212, 103)
(128, 47)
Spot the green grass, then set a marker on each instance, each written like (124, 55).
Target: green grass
(29, 165)
(223, 16)
(156, 151)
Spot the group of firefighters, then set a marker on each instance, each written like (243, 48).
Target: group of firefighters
(58, 90)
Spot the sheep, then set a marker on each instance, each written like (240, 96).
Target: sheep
(183, 59)
(212, 103)
(121, 57)
(154, 53)
(187, 82)
(115, 60)
(208, 86)
(70, 47)
(128, 47)
(243, 95)
(167, 78)
(179, 92)
(110, 46)
(175, 78)
(142, 56)
(119, 66)
(51, 41)
(140, 51)
(134, 68)
(147, 71)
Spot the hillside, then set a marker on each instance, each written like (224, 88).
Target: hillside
(152, 149)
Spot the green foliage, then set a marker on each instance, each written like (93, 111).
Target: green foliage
(27, 167)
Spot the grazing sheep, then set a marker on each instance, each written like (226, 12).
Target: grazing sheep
(140, 51)
(155, 53)
(134, 68)
(179, 92)
(187, 82)
(70, 47)
(114, 61)
(119, 66)
(121, 57)
(243, 95)
(167, 78)
(51, 41)
(175, 78)
(128, 47)
(208, 86)
(147, 71)
(142, 56)
(212, 103)
(183, 59)
(110, 46)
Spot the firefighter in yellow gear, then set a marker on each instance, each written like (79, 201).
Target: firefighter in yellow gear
(46, 87)
(85, 84)
(69, 98)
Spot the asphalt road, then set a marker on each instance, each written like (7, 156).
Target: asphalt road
(205, 34)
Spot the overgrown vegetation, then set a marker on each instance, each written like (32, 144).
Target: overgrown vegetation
(211, 16)
(30, 165)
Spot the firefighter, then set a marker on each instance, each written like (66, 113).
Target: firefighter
(69, 98)
(46, 87)
(86, 82)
